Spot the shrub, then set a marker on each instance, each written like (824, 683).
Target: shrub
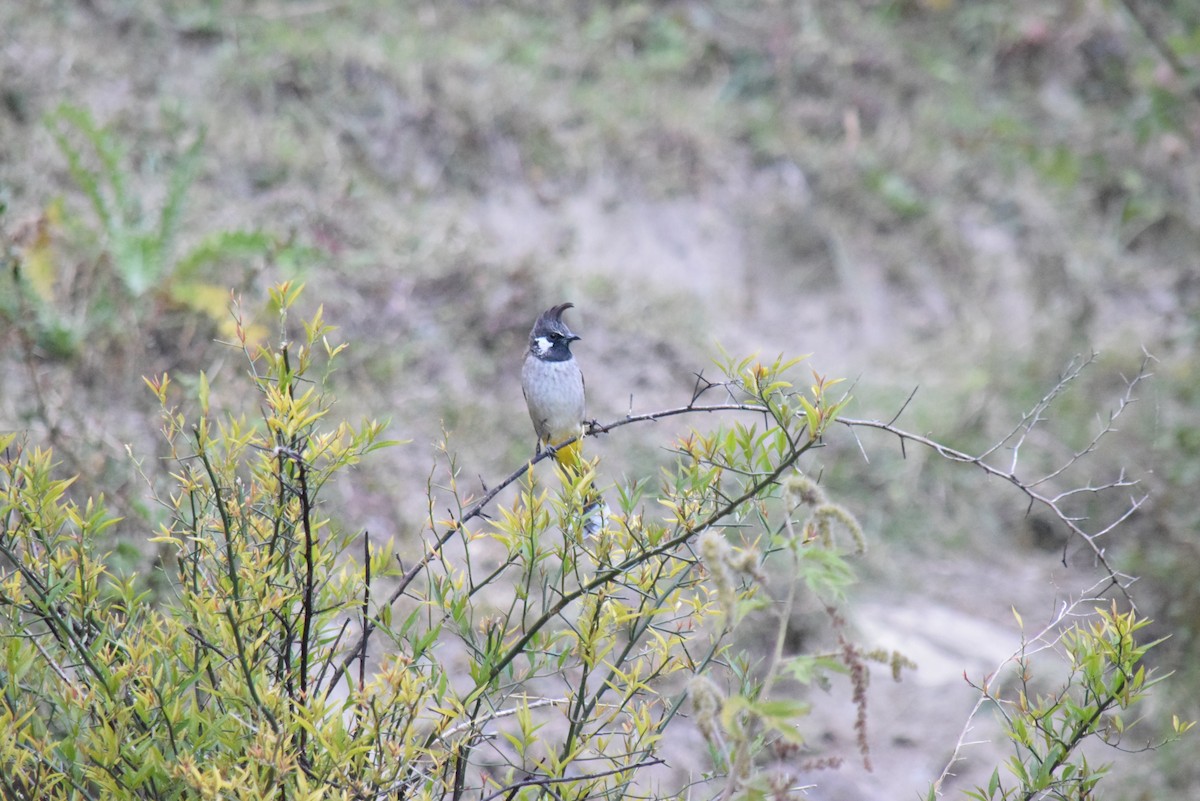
(509, 655)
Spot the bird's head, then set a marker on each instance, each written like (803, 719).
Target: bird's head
(550, 338)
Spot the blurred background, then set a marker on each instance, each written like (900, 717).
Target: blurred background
(957, 198)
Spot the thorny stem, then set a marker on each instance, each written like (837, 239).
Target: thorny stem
(1053, 502)
(1118, 579)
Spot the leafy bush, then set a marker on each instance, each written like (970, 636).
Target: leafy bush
(510, 655)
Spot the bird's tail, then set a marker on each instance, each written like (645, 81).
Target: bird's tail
(570, 456)
(594, 512)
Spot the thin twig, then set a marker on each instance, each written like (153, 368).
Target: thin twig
(1051, 502)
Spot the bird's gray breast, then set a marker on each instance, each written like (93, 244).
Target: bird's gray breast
(554, 393)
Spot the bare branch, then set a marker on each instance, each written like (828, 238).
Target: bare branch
(1030, 487)
(1031, 418)
(1109, 427)
(1050, 502)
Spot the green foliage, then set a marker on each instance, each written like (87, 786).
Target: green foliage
(133, 239)
(1107, 680)
(516, 653)
(110, 697)
(141, 248)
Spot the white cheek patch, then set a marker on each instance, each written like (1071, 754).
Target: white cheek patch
(543, 346)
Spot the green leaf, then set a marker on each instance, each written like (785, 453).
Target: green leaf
(223, 247)
(203, 392)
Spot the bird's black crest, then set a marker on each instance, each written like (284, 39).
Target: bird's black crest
(555, 313)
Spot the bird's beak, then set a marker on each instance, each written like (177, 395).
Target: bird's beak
(574, 338)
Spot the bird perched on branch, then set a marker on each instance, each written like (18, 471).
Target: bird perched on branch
(554, 392)
(553, 387)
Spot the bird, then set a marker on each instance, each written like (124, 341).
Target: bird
(554, 392)
(554, 387)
